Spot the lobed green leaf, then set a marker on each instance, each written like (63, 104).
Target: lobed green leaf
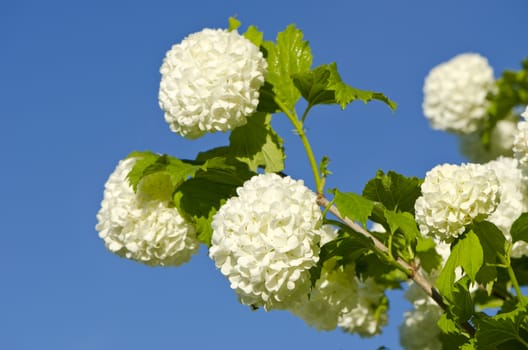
(353, 206)
(289, 56)
(257, 144)
(396, 192)
(467, 253)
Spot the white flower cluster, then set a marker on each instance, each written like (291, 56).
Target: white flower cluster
(455, 93)
(146, 231)
(513, 199)
(453, 196)
(520, 143)
(266, 239)
(369, 314)
(210, 82)
(333, 296)
(501, 143)
(419, 329)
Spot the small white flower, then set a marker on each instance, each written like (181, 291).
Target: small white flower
(146, 231)
(453, 196)
(520, 143)
(266, 239)
(501, 143)
(210, 82)
(455, 93)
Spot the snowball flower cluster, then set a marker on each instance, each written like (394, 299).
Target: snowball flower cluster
(419, 330)
(150, 232)
(455, 93)
(334, 294)
(369, 313)
(501, 143)
(266, 239)
(513, 199)
(453, 196)
(520, 143)
(210, 82)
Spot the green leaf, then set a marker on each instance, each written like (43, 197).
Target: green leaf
(143, 161)
(466, 253)
(396, 192)
(290, 55)
(404, 222)
(323, 85)
(353, 206)
(519, 229)
(492, 240)
(493, 245)
(511, 91)
(257, 144)
(254, 35)
(502, 328)
(345, 249)
(201, 196)
(234, 24)
(461, 305)
(426, 252)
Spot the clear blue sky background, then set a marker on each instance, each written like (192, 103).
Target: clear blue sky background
(78, 91)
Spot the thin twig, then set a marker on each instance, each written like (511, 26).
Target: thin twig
(412, 272)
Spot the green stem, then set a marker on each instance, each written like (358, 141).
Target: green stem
(514, 282)
(298, 125)
(522, 341)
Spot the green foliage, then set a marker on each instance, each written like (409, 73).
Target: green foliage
(394, 191)
(467, 253)
(519, 229)
(345, 249)
(511, 92)
(289, 56)
(426, 252)
(200, 197)
(234, 24)
(257, 144)
(353, 206)
(509, 329)
(323, 85)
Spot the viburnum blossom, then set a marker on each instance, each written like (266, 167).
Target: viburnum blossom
(513, 199)
(455, 93)
(453, 196)
(419, 330)
(520, 143)
(266, 239)
(501, 143)
(210, 82)
(333, 295)
(369, 314)
(150, 232)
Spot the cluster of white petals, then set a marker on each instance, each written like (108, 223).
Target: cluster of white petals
(210, 82)
(369, 314)
(266, 239)
(334, 294)
(455, 93)
(453, 196)
(513, 199)
(501, 143)
(520, 143)
(146, 231)
(419, 329)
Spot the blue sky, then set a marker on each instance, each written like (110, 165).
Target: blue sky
(78, 92)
